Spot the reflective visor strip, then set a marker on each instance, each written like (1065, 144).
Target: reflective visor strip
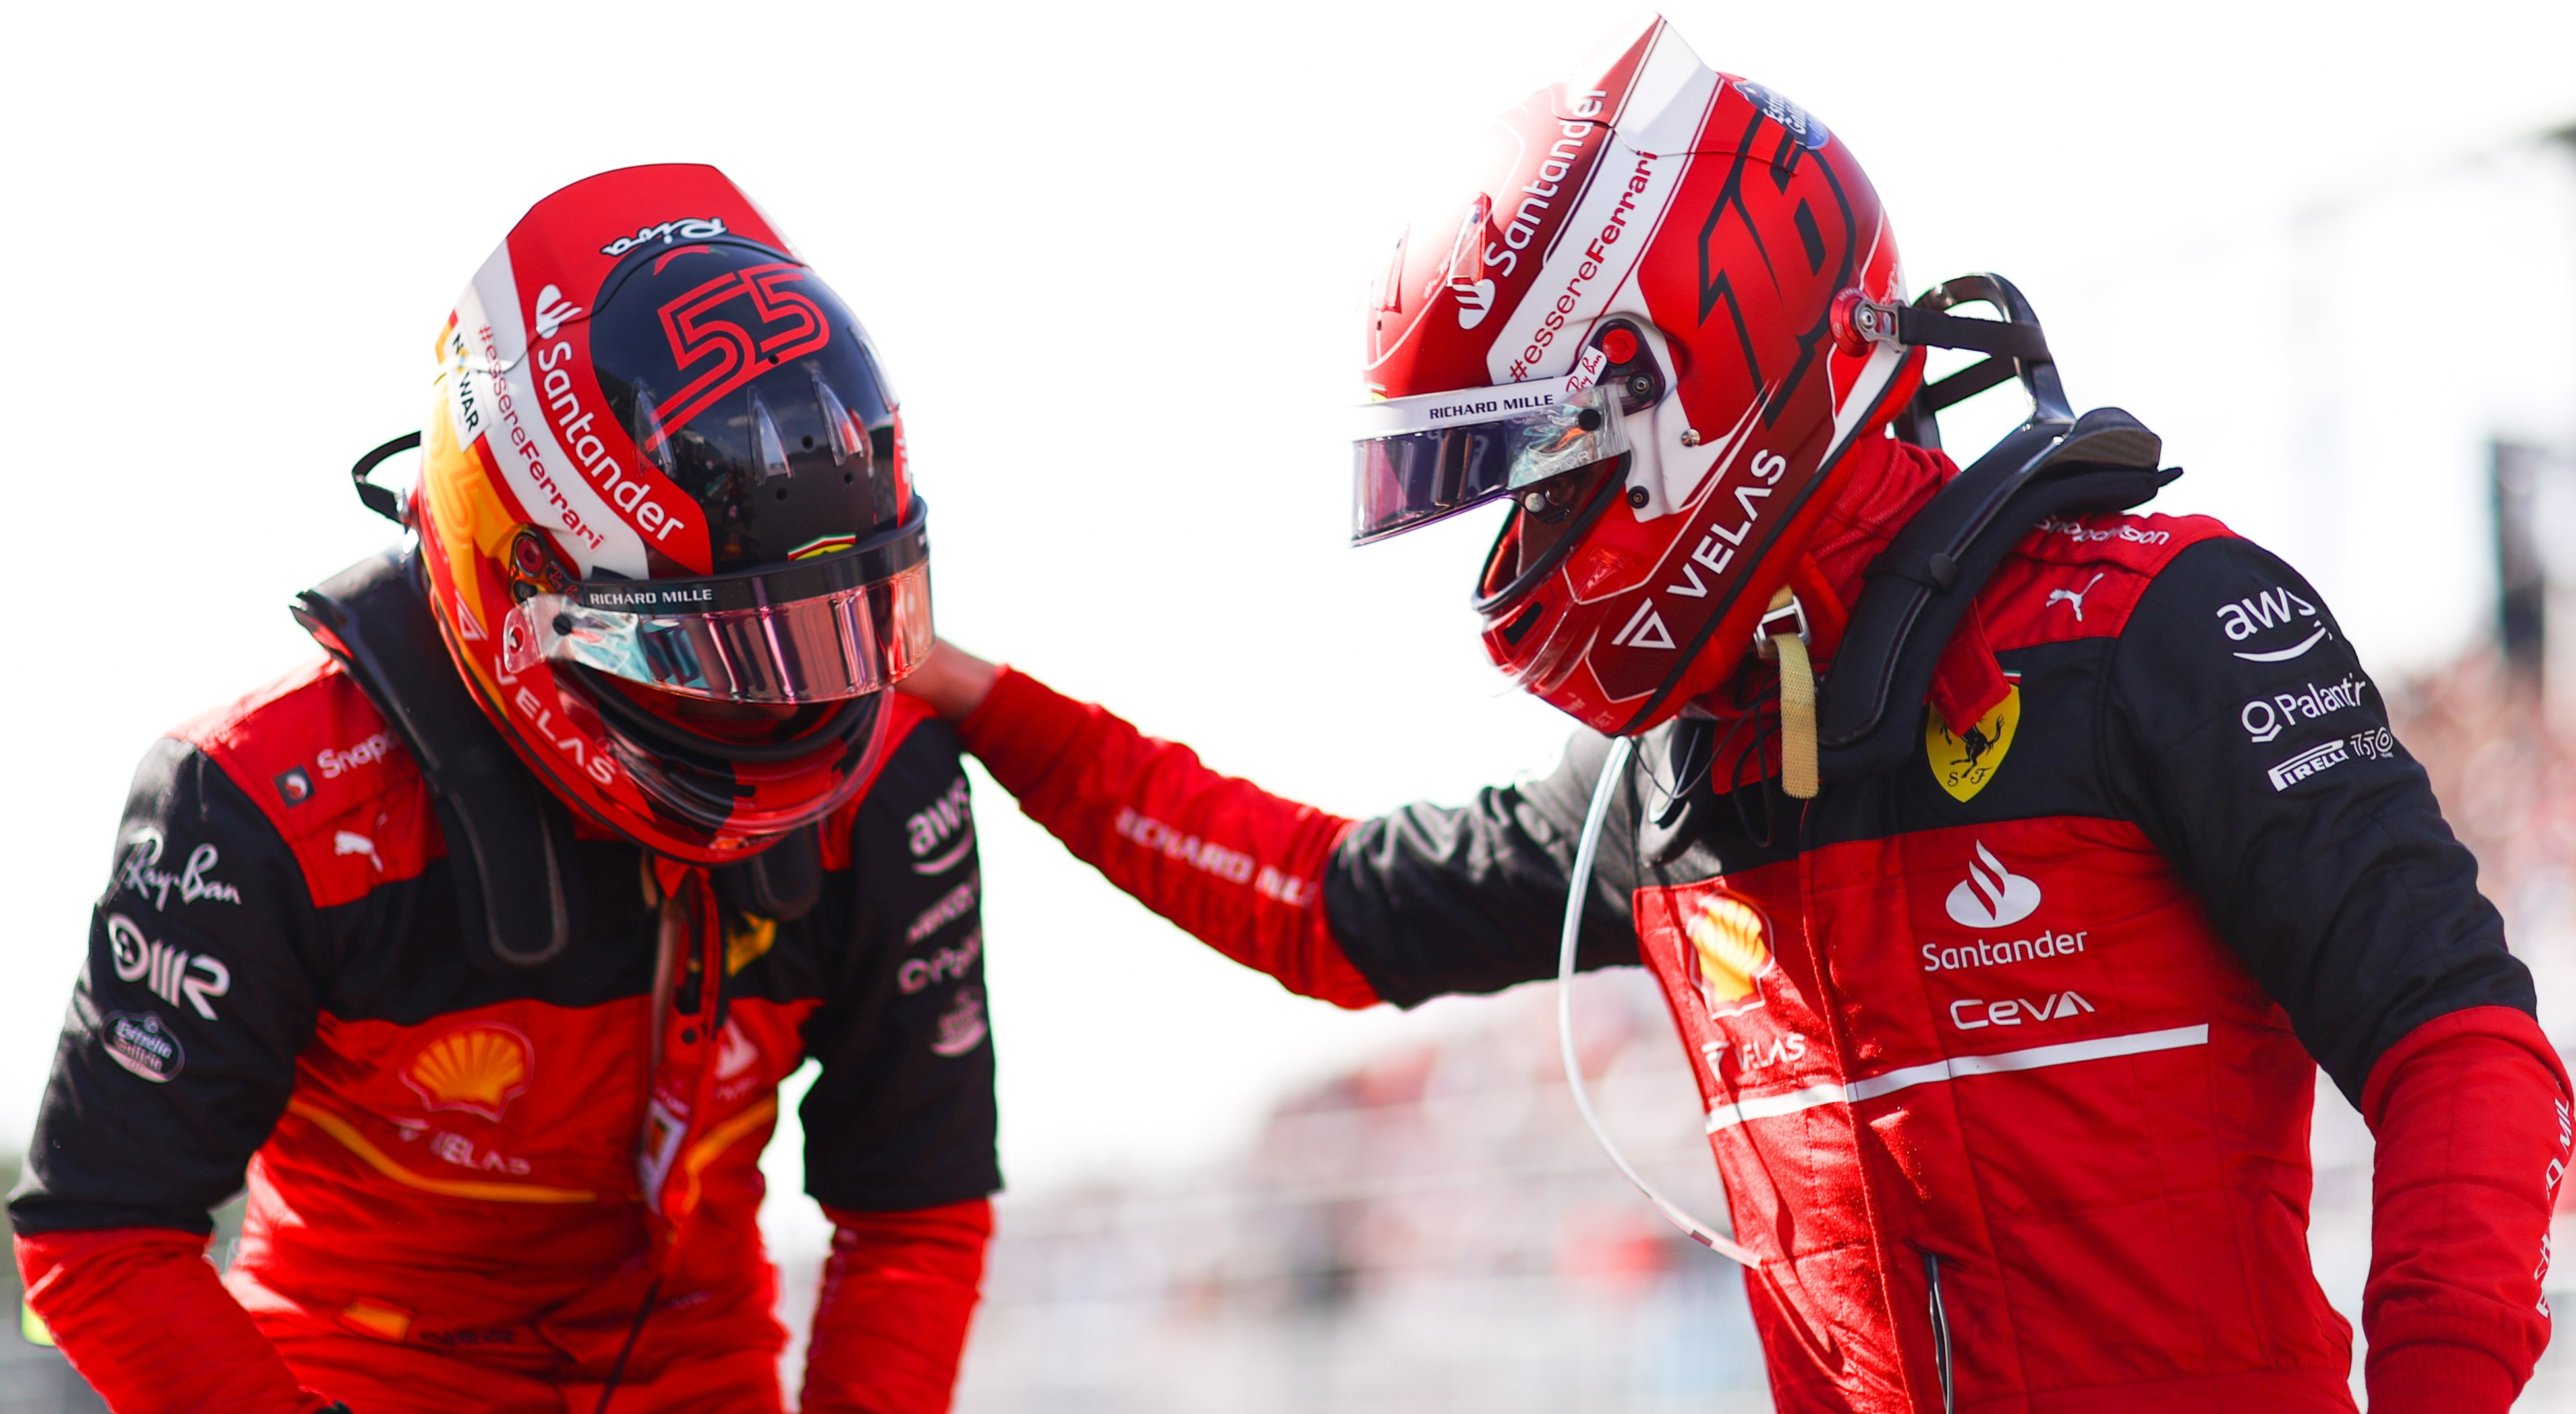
(1420, 458)
(833, 627)
(1731, 1114)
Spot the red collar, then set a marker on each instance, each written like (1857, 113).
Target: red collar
(1889, 482)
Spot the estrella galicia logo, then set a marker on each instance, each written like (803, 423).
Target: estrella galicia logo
(962, 1027)
(141, 1044)
(294, 786)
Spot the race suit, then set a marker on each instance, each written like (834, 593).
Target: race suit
(2008, 1055)
(448, 1164)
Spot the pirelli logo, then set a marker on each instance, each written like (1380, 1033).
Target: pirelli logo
(2308, 763)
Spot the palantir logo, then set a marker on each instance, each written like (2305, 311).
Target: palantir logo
(1992, 896)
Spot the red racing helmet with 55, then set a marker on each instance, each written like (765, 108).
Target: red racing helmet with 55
(667, 525)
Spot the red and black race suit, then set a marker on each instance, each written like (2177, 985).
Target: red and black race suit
(446, 1162)
(2021, 1032)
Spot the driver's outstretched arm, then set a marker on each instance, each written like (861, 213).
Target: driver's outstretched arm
(1417, 903)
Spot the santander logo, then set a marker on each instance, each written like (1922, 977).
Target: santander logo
(1475, 301)
(1992, 896)
(554, 311)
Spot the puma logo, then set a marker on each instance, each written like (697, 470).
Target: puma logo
(2074, 598)
(351, 842)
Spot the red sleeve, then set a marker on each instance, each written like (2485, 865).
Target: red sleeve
(897, 1295)
(2471, 1111)
(1240, 868)
(144, 1319)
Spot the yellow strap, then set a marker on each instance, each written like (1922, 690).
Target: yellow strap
(1797, 709)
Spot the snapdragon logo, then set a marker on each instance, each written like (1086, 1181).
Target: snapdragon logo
(1992, 896)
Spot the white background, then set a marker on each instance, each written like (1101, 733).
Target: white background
(1110, 253)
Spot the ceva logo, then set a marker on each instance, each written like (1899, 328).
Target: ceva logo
(1992, 896)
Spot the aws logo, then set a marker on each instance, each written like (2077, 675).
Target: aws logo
(949, 822)
(1729, 950)
(478, 1069)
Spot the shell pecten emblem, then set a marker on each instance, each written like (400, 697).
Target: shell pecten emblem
(479, 1069)
(1728, 951)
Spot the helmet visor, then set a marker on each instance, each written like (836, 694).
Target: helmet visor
(1418, 459)
(838, 625)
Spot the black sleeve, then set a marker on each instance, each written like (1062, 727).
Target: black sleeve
(902, 1116)
(179, 1050)
(1431, 900)
(2257, 755)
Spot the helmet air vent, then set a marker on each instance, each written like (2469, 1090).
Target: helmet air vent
(847, 439)
(766, 441)
(648, 428)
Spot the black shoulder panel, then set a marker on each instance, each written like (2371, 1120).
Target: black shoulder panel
(1429, 900)
(902, 1116)
(2249, 744)
(198, 993)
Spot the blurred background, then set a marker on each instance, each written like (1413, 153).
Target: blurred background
(1111, 253)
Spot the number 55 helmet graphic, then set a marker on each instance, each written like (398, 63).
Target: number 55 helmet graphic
(669, 535)
(1627, 331)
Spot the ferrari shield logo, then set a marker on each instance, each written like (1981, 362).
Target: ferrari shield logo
(1963, 764)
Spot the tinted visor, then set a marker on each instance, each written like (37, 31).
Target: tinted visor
(1418, 459)
(837, 625)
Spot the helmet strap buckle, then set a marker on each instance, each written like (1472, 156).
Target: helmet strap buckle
(1774, 640)
(1786, 618)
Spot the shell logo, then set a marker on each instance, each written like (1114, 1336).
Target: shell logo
(478, 1069)
(1727, 952)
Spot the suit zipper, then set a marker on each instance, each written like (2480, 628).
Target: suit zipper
(1940, 1313)
(1940, 1329)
